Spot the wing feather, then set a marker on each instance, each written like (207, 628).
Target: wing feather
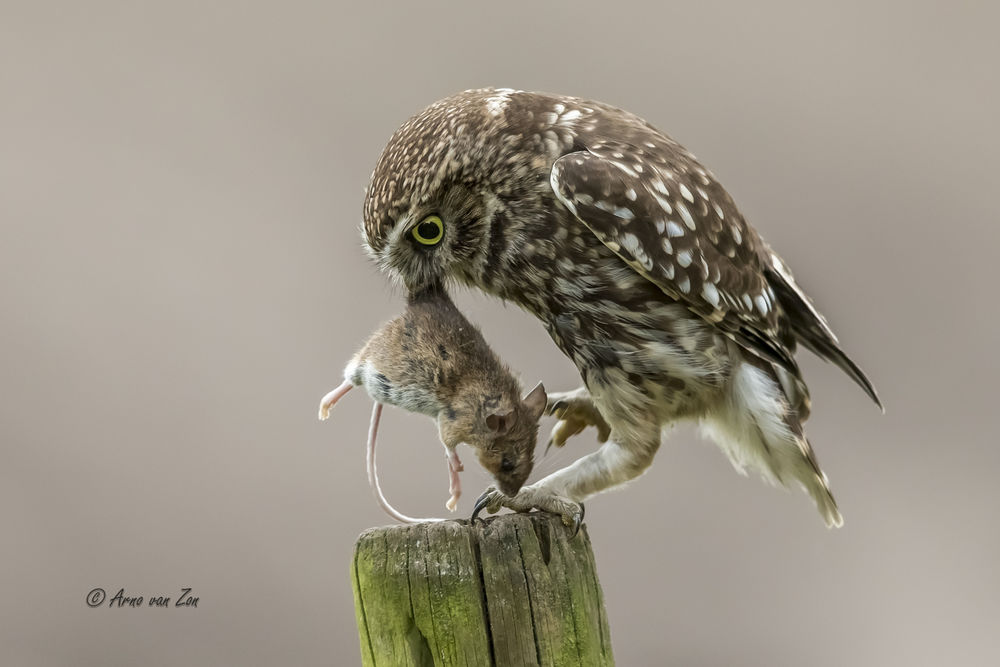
(673, 223)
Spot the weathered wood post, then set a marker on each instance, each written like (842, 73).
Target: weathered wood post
(514, 590)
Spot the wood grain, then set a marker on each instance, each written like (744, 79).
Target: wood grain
(513, 590)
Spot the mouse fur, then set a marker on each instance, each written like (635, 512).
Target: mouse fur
(433, 361)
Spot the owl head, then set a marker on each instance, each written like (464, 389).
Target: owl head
(431, 208)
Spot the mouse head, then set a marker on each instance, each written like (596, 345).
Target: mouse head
(506, 443)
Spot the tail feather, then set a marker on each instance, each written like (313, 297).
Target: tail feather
(831, 352)
(816, 485)
(810, 328)
(758, 429)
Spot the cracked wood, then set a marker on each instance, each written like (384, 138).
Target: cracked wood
(512, 590)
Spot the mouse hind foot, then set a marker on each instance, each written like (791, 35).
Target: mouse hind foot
(331, 399)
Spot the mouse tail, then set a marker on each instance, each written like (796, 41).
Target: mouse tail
(373, 472)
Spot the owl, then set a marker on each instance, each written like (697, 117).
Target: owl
(639, 266)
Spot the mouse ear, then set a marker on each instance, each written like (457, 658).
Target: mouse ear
(500, 422)
(535, 401)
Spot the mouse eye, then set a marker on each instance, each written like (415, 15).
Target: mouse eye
(506, 464)
(429, 231)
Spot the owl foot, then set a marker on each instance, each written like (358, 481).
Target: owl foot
(575, 411)
(529, 498)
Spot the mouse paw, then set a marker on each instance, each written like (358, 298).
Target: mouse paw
(331, 399)
(529, 498)
(575, 411)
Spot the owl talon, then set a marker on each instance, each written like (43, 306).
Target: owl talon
(578, 520)
(483, 501)
(528, 499)
(575, 411)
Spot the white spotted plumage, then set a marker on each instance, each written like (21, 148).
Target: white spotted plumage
(635, 258)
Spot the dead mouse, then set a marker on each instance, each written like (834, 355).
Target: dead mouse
(433, 361)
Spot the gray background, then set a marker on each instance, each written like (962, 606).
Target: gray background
(181, 280)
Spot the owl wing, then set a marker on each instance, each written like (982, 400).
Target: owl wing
(674, 224)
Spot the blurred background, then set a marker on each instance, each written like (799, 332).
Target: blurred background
(181, 280)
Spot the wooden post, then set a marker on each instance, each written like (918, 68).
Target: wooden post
(514, 590)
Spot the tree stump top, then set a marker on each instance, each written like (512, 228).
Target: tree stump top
(515, 589)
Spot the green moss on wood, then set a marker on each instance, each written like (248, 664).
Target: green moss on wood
(513, 590)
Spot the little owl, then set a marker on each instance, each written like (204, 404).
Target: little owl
(637, 262)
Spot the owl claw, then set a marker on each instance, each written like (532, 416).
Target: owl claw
(481, 502)
(578, 520)
(575, 411)
(530, 498)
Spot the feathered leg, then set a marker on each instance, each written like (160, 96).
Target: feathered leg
(624, 457)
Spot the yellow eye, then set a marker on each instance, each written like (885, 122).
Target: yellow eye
(429, 231)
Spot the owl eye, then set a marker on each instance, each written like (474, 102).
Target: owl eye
(429, 231)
